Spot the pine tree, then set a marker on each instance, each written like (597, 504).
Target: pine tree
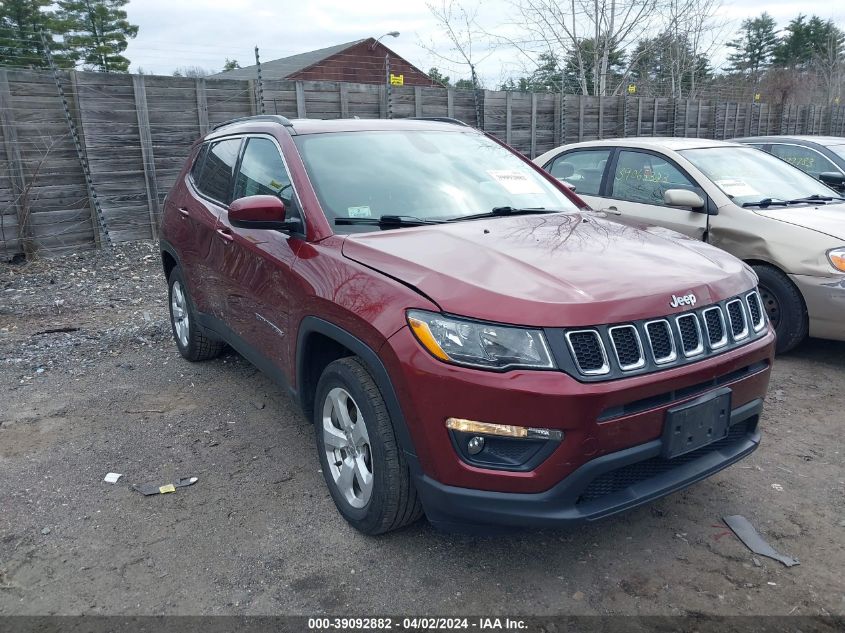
(754, 47)
(97, 33)
(231, 64)
(435, 75)
(615, 67)
(21, 24)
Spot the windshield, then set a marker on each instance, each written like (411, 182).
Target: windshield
(748, 175)
(427, 175)
(839, 150)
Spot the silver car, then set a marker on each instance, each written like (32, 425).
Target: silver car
(784, 223)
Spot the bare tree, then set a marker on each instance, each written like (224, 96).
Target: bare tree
(460, 26)
(23, 200)
(693, 33)
(829, 63)
(588, 31)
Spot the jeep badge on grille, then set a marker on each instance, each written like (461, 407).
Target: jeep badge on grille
(685, 300)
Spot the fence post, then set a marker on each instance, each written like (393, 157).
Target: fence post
(601, 117)
(300, 100)
(580, 118)
(16, 173)
(450, 103)
(418, 101)
(639, 116)
(147, 157)
(624, 116)
(533, 124)
(654, 118)
(698, 120)
(202, 107)
(556, 127)
(508, 104)
(343, 93)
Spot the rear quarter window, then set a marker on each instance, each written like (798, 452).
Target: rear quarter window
(198, 161)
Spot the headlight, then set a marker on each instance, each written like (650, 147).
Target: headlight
(837, 258)
(478, 344)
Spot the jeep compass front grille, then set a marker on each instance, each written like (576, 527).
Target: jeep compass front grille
(756, 311)
(737, 318)
(626, 344)
(622, 349)
(589, 352)
(661, 341)
(714, 321)
(690, 334)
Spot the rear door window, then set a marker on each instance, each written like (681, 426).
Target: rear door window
(217, 171)
(644, 178)
(804, 158)
(582, 169)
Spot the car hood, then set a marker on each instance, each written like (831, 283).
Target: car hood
(828, 219)
(551, 270)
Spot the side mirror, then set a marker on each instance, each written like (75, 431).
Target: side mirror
(260, 212)
(833, 179)
(683, 198)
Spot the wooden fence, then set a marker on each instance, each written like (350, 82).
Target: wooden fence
(136, 130)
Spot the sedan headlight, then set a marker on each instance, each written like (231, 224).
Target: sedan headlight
(837, 258)
(479, 344)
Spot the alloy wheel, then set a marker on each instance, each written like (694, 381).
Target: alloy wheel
(347, 447)
(179, 313)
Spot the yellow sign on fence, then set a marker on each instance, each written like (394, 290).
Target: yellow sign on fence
(397, 80)
(632, 89)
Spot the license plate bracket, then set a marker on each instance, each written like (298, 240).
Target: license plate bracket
(697, 423)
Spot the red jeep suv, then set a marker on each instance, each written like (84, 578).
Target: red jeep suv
(471, 341)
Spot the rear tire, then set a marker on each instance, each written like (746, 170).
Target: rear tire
(784, 306)
(363, 465)
(191, 339)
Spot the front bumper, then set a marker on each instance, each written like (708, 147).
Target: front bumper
(825, 299)
(602, 487)
(609, 459)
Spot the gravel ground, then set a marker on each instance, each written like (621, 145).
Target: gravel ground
(92, 383)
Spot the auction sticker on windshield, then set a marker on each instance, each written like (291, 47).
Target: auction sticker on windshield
(735, 187)
(514, 181)
(359, 212)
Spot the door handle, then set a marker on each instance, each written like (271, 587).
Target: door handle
(612, 211)
(183, 211)
(225, 235)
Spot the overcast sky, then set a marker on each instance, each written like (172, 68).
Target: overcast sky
(204, 33)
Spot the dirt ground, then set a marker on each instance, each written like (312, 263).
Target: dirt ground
(90, 382)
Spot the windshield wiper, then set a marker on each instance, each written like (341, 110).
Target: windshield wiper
(386, 221)
(501, 211)
(765, 202)
(816, 198)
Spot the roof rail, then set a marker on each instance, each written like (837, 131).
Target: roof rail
(441, 119)
(271, 118)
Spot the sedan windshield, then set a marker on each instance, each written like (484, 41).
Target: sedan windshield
(839, 150)
(420, 176)
(750, 176)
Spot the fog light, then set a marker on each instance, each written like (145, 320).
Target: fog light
(505, 430)
(475, 445)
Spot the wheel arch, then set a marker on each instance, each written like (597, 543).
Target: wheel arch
(169, 258)
(318, 343)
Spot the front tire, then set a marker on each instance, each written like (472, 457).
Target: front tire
(784, 306)
(364, 468)
(191, 339)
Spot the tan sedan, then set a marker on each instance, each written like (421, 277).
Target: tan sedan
(785, 224)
